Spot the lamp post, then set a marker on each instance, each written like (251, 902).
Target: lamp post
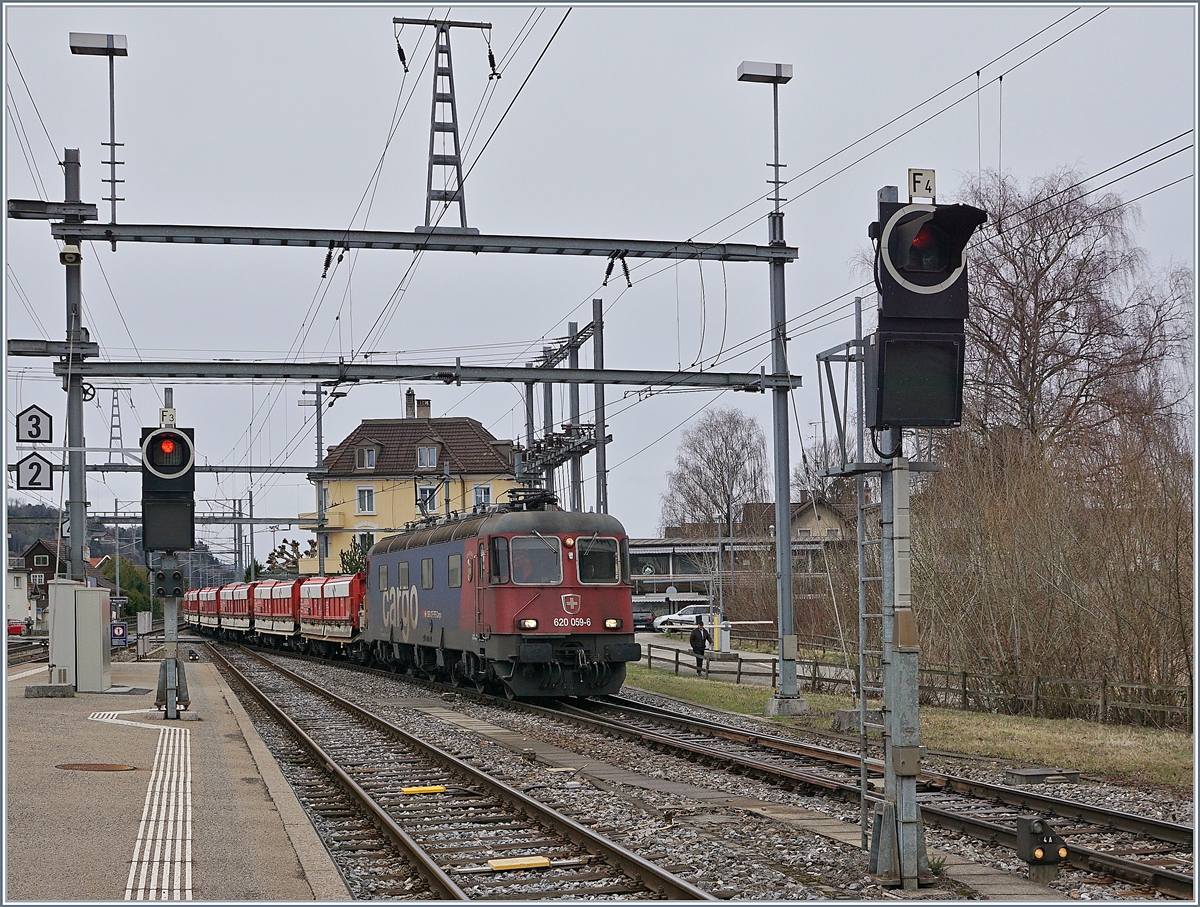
(786, 700)
(110, 46)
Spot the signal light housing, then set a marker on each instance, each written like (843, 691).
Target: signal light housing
(915, 363)
(919, 264)
(168, 490)
(1037, 842)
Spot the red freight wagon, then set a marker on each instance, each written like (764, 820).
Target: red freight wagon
(234, 606)
(277, 607)
(191, 607)
(343, 601)
(209, 616)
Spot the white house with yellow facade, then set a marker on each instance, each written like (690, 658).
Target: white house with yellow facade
(389, 472)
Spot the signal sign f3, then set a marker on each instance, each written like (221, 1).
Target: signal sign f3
(922, 184)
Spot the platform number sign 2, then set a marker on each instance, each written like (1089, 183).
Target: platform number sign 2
(35, 426)
(35, 473)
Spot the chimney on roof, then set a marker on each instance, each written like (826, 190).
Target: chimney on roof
(410, 404)
(423, 409)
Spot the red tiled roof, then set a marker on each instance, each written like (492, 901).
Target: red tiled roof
(464, 443)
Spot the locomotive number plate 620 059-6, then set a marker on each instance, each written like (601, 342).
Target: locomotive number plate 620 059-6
(572, 621)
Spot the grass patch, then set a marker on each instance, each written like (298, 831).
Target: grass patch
(1136, 755)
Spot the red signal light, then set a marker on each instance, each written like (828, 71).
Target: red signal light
(167, 446)
(923, 238)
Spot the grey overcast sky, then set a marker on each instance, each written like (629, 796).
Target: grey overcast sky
(631, 126)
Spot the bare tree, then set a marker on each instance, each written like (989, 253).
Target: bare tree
(1069, 330)
(721, 465)
(286, 558)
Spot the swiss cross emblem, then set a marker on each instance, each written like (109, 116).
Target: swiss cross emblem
(571, 603)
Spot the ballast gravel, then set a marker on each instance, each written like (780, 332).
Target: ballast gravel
(729, 852)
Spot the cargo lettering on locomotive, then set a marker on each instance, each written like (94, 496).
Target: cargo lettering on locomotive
(400, 607)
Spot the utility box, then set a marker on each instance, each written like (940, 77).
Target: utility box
(61, 604)
(79, 635)
(93, 642)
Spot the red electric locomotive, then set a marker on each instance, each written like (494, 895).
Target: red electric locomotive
(528, 598)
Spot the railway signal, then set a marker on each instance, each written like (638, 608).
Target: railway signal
(168, 489)
(915, 361)
(1037, 843)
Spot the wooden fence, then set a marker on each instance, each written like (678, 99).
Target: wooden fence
(1104, 700)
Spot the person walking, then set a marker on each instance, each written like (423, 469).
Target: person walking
(700, 636)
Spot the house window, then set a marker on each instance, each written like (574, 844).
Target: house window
(483, 495)
(16, 581)
(426, 573)
(323, 545)
(804, 532)
(454, 571)
(366, 499)
(366, 540)
(365, 458)
(832, 533)
(426, 457)
(41, 560)
(427, 498)
(323, 494)
(36, 579)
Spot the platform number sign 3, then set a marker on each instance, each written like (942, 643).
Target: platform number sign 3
(922, 184)
(34, 473)
(34, 426)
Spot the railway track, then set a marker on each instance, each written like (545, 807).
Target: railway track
(467, 835)
(1136, 849)
(1141, 851)
(25, 651)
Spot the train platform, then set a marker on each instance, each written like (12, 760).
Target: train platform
(108, 801)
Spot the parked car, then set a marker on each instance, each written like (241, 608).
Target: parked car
(684, 618)
(643, 620)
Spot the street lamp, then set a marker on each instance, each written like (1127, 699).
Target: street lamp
(786, 700)
(110, 46)
(777, 74)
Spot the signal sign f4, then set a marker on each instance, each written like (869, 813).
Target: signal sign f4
(922, 184)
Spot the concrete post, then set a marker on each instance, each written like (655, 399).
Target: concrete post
(73, 384)
(573, 402)
(548, 417)
(786, 700)
(601, 428)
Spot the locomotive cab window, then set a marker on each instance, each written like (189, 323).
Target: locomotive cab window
(382, 577)
(499, 561)
(597, 560)
(536, 560)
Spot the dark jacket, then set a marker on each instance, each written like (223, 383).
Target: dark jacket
(699, 637)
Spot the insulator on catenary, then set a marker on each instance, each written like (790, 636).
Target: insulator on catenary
(400, 51)
(608, 270)
(625, 270)
(328, 262)
(492, 63)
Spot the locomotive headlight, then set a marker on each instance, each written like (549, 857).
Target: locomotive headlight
(612, 623)
(569, 542)
(527, 623)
